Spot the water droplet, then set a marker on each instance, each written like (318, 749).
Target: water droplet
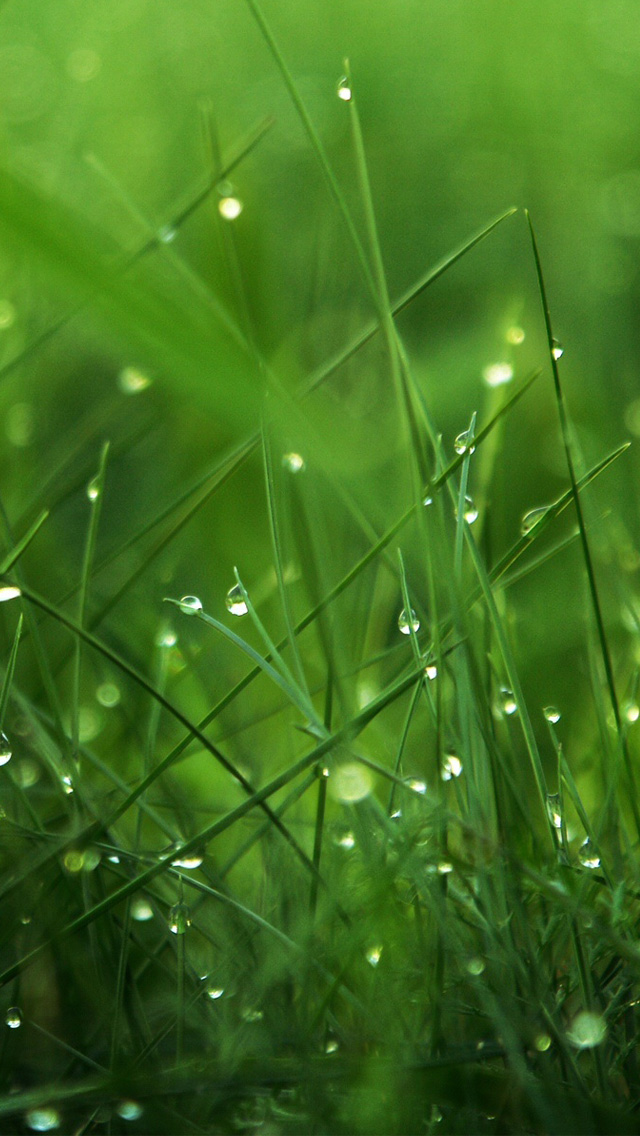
(531, 519)
(166, 637)
(408, 622)
(542, 1043)
(515, 335)
(5, 749)
(552, 714)
(67, 784)
(27, 773)
(129, 1110)
(416, 785)
(427, 501)
(464, 443)
(189, 605)
(631, 711)
(93, 489)
(587, 1030)
(189, 861)
(346, 840)
(445, 868)
(230, 207)
(553, 809)
(7, 314)
(497, 374)
(351, 782)
(396, 814)
(42, 1119)
(13, 1017)
(131, 380)
(374, 955)
(475, 966)
(213, 991)
(295, 463)
(343, 90)
(507, 702)
(235, 601)
(470, 511)
(179, 918)
(9, 593)
(431, 671)
(557, 350)
(451, 767)
(332, 1045)
(141, 909)
(167, 234)
(81, 859)
(108, 694)
(588, 856)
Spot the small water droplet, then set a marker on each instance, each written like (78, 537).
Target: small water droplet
(67, 784)
(213, 991)
(93, 489)
(557, 350)
(553, 809)
(179, 918)
(475, 966)
(552, 714)
(431, 671)
(587, 1030)
(343, 90)
(295, 463)
(464, 443)
(416, 785)
(531, 519)
(108, 694)
(515, 335)
(346, 840)
(427, 501)
(470, 511)
(451, 767)
(129, 1110)
(631, 711)
(588, 856)
(542, 1043)
(507, 702)
(5, 749)
(230, 207)
(9, 593)
(167, 234)
(141, 909)
(408, 622)
(235, 601)
(374, 955)
(497, 374)
(444, 868)
(13, 1017)
(332, 1045)
(351, 782)
(189, 605)
(166, 637)
(132, 381)
(42, 1119)
(81, 859)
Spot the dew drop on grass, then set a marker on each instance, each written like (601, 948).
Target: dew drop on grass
(351, 782)
(179, 919)
(408, 622)
(631, 711)
(42, 1119)
(108, 694)
(331, 1045)
(13, 1017)
(507, 702)
(470, 510)
(427, 501)
(132, 381)
(431, 671)
(542, 1043)
(475, 966)
(8, 592)
(552, 714)
(587, 1030)
(588, 856)
(416, 785)
(451, 767)
(167, 234)
(141, 909)
(213, 991)
(530, 519)
(230, 207)
(553, 809)
(374, 955)
(81, 859)
(129, 1110)
(67, 784)
(346, 841)
(343, 90)
(444, 868)
(5, 749)
(166, 637)
(464, 443)
(497, 374)
(189, 605)
(189, 861)
(293, 462)
(515, 335)
(557, 350)
(93, 489)
(235, 601)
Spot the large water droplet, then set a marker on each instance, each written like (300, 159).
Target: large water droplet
(497, 374)
(552, 714)
(179, 918)
(42, 1119)
(235, 601)
(343, 90)
(587, 1030)
(470, 512)
(631, 711)
(129, 1110)
(507, 702)
(531, 519)
(230, 207)
(553, 809)
(373, 955)
(5, 749)
(141, 909)
(293, 462)
(408, 621)
(8, 592)
(214, 991)
(557, 350)
(351, 782)
(588, 856)
(464, 443)
(451, 767)
(13, 1017)
(189, 605)
(189, 861)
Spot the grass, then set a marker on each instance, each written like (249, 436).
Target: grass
(311, 856)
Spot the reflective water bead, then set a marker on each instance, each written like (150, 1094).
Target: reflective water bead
(167, 234)
(295, 463)
(166, 637)
(631, 711)
(557, 350)
(141, 909)
(8, 592)
(470, 510)
(587, 1030)
(431, 671)
(343, 90)
(42, 1119)
(531, 519)
(515, 335)
(108, 694)
(427, 501)
(464, 443)
(408, 622)
(332, 1045)
(346, 841)
(542, 1042)
(5, 749)
(444, 868)
(416, 785)
(451, 767)
(189, 605)
(497, 374)
(93, 489)
(189, 861)
(129, 1110)
(374, 955)
(230, 207)
(588, 856)
(179, 918)
(13, 1017)
(508, 704)
(235, 601)
(213, 991)
(351, 782)
(132, 381)
(552, 714)
(553, 809)
(475, 966)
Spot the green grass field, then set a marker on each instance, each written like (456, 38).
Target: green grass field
(319, 605)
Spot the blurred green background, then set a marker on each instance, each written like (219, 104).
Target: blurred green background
(466, 109)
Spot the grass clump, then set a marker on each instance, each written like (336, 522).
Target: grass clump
(311, 845)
